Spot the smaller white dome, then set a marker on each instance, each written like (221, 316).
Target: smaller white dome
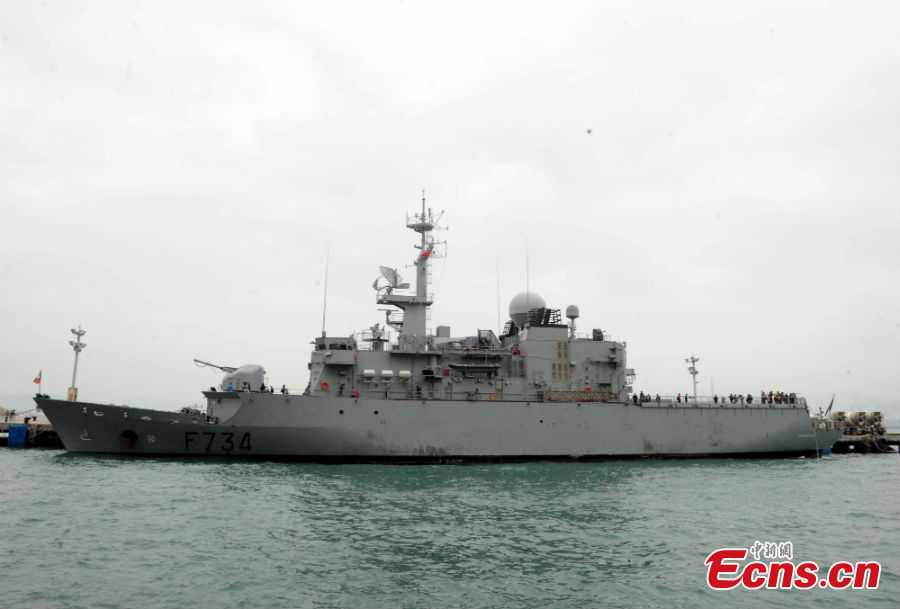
(521, 304)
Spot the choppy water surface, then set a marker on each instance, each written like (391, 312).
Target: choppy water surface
(111, 532)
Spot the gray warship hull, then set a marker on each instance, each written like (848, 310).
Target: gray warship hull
(308, 428)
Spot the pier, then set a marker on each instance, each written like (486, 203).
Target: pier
(31, 434)
(869, 443)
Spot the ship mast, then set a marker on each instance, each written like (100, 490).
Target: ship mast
(423, 225)
(77, 345)
(413, 327)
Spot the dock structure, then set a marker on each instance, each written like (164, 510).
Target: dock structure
(37, 434)
(867, 443)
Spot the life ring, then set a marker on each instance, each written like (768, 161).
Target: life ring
(324, 385)
(588, 389)
(493, 397)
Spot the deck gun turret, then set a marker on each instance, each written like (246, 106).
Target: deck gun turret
(248, 377)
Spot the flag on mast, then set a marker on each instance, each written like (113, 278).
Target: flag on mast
(830, 405)
(37, 379)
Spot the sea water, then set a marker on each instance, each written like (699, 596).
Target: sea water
(120, 533)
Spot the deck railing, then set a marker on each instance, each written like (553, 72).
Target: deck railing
(709, 402)
(487, 394)
(427, 391)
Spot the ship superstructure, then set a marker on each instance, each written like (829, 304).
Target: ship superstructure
(537, 356)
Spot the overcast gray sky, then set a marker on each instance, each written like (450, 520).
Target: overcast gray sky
(719, 178)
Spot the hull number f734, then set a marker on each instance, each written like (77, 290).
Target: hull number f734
(209, 441)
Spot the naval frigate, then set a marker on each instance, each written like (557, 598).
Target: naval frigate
(539, 390)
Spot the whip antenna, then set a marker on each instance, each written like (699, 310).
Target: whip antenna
(325, 295)
(499, 327)
(527, 289)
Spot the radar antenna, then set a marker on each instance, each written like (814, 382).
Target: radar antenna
(393, 278)
(376, 336)
(377, 331)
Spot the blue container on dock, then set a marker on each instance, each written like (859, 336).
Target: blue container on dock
(17, 434)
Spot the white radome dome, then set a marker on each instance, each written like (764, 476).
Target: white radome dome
(521, 304)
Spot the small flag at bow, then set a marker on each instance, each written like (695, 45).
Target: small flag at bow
(37, 379)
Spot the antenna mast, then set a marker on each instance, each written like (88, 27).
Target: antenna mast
(694, 372)
(325, 295)
(527, 273)
(499, 327)
(77, 345)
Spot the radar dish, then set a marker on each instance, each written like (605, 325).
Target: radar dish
(392, 276)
